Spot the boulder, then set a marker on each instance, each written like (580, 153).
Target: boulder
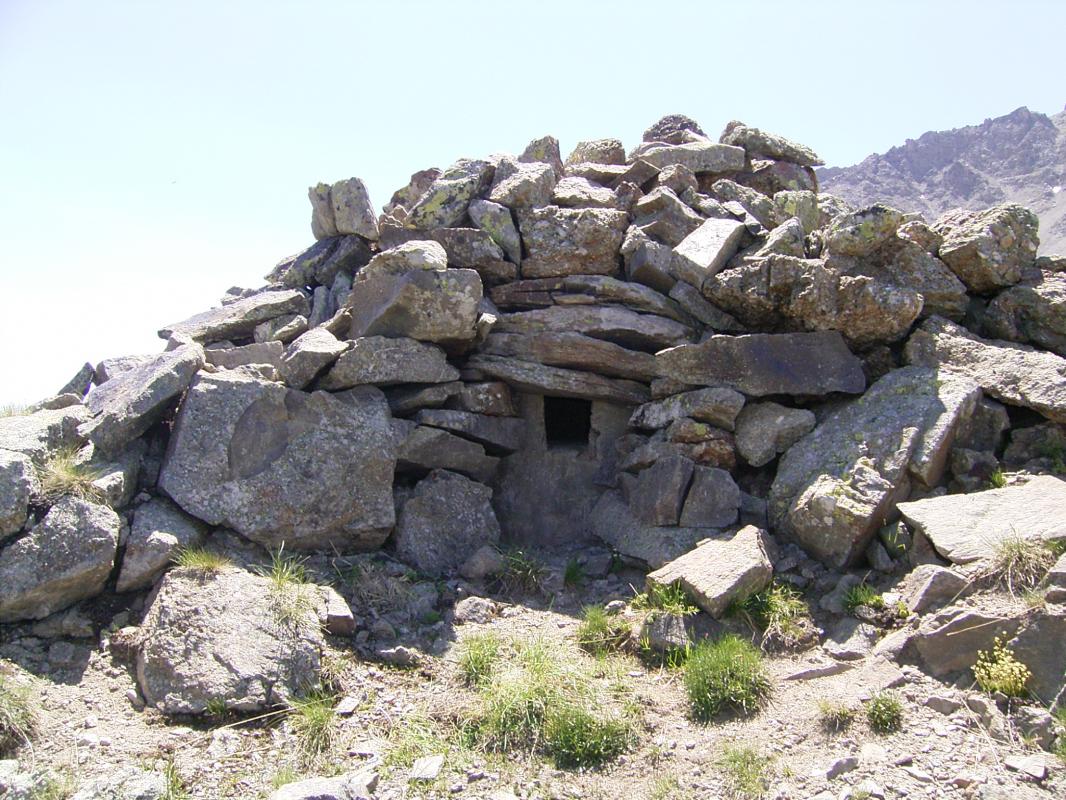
(232, 357)
(1012, 373)
(470, 248)
(836, 486)
(405, 400)
(597, 151)
(121, 783)
(862, 232)
(283, 329)
(720, 571)
(989, 249)
(41, 433)
(496, 220)
(582, 193)
(110, 367)
(424, 449)
(227, 637)
(492, 398)
(446, 520)
(522, 185)
(717, 406)
(664, 217)
(763, 364)
(697, 156)
(352, 210)
(674, 129)
(282, 466)
(540, 379)
(573, 350)
(764, 430)
(585, 290)
(969, 527)
(498, 435)
(160, 531)
(80, 383)
(353, 786)
(447, 199)
(648, 332)
(930, 585)
(762, 144)
(907, 265)
(713, 500)
(950, 640)
(571, 241)
(308, 355)
(322, 262)
(67, 557)
(1033, 311)
(612, 521)
(384, 362)
(706, 250)
(238, 320)
(1038, 645)
(665, 633)
(546, 150)
(659, 491)
(18, 483)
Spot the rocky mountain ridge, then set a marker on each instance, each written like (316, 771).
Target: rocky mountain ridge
(1016, 158)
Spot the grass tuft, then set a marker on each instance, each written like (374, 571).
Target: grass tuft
(62, 476)
(745, 770)
(573, 575)
(997, 670)
(1018, 563)
(522, 573)
(313, 723)
(291, 596)
(577, 736)
(862, 595)
(884, 713)
(601, 633)
(200, 559)
(479, 656)
(726, 673)
(18, 713)
(671, 598)
(997, 480)
(175, 785)
(835, 717)
(778, 612)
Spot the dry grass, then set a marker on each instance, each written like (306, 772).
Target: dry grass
(18, 713)
(1018, 563)
(62, 476)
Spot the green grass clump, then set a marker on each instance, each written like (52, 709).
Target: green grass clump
(1060, 745)
(62, 475)
(668, 787)
(573, 575)
(522, 572)
(1019, 563)
(726, 673)
(14, 410)
(61, 786)
(777, 611)
(175, 785)
(291, 596)
(579, 737)
(745, 770)
(283, 776)
(313, 721)
(200, 559)
(835, 716)
(884, 713)
(479, 655)
(216, 707)
(670, 598)
(997, 480)
(18, 713)
(997, 670)
(601, 633)
(863, 595)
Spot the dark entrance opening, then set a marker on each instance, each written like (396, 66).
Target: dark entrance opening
(567, 421)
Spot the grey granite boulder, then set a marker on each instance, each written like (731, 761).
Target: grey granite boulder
(383, 362)
(713, 500)
(446, 201)
(424, 448)
(836, 486)
(353, 212)
(308, 355)
(258, 353)
(717, 406)
(127, 405)
(573, 350)
(67, 557)
(763, 364)
(320, 263)
(989, 249)
(766, 429)
(498, 435)
(720, 571)
(697, 156)
(617, 324)
(1012, 373)
(18, 482)
(597, 151)
(969, 527)
(762, 144)
(1033, 311)
(571, 241)
(862, 232)
(522, 185)
(278, 465)
(445, 521)
(659, 491)
(540, 379)
(229, 638)
(239, 319)
(496, 220)
(39, 434)
(613, 521)
(160, 531)
(706, 250)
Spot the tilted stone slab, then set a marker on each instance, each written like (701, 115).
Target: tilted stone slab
(766, 429)
(278, 465)
(239, 319)
(18, 482)
(613, 323)
(612, 521)
(1033, 311)
(969, 527)
(447, 199)
(659, 491)
(424, 448)
(707, 250)
(575, 351)
(717, 406)
(1013, 373)
(698, 157)
(43, 432)
(308, 355)
(989, 249)
(159, 532)
(541, 379)
(763, 144)
(129, 404)
(720, 571)
(499, 435)
(767, 363)
(384, 362)
(585, 290)
(713, 500)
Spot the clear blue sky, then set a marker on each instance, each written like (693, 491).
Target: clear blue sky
(153, 154)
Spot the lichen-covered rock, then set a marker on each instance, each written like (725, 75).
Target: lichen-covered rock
(383, 361)
(18, 482)
(320, 263)
(159, 532)
(447, 200)
(989, 249)
(597, 151)
(353, 212)
(862, 232)
(674, 129)
(278, 465)
(522, 185)
(1033, 311)
(761, 144)
(496, 220)
(705, 252)
(424, 448)
(228, 637)
(308, 355)
(67, 557)
(717, 406)
(571, 241)
(445, 521)
(1012, 373)
(835, 487)
(238, 319)
(583, 193)
(700, 157)
(43, 432)
(766, 429)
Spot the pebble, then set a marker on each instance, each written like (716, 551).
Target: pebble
(840, 766)
(1033, 766)
(919, 775)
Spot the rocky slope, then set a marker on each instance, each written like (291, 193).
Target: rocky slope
(1016, 158)
(253, 564)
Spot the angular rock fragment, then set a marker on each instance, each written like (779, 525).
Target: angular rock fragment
(718, 406)
(614, 323)
(1038, 645)
(446, 520)
(233, 357)
(659, 491)
(1012, 373)
(67, 557)
(674, 129)
(278, 465)
(424, 449)
(697, 156)
(930, 585)
(950, 640)
(663, 216)
(352, 210)
(541, 379)
(446, 201)
(231, 638)
(239, 319)
(522, 185)
(159, 532)
(383, 362)
(79, 384)
(706, 250)
(970, 527)
(492, 398)
(283, 329)
(571, 241)
(762, 144)
(582, 193)
(405, 400)
(498, 435)
(763, 364)
(546, 150)
(612, 521)
(713, 500)
(39, 434)
(320, 263)
(573, 350)
(720, 571)
(989, 249)
(18, 483)
(496, 220)
(766, 429)
(862, 232)
(308, 355)
(597, 151)
(1033, 311)
(127, 405)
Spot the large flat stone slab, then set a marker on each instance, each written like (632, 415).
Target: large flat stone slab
(707, 250)
(767, 363)
(968, 527)
(239, 319)
(541, 379)
(498, 435)
(614, 323)
(716, 406)
(574, 351)
(1013, 373)
(385, 361)
(278, 465)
